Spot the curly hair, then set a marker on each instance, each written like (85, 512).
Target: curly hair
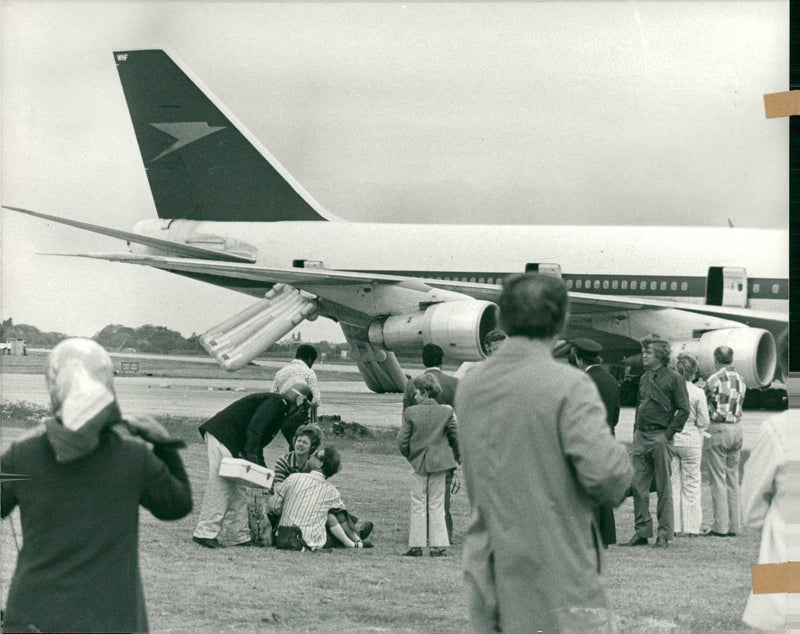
(311, 431)
(661, 347)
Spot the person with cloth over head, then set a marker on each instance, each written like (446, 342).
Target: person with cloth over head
(87, 472)
(242, 430)
(537, 457)
(585, 354)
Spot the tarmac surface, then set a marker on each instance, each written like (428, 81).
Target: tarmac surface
(202, 398)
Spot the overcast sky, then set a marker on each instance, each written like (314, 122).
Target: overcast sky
(530, 113)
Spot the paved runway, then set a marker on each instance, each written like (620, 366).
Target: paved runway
(203, 398)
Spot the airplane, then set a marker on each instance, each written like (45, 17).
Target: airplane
(231, 215)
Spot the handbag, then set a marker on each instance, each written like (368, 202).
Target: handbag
(290, 538)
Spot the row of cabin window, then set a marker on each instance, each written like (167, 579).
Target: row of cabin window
(643, 284)
(606, 284)
(757, 288)
(623, 284)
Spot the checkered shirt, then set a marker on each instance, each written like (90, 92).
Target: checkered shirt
(725, 391)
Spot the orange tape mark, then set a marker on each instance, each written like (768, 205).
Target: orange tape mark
(782, 104)
(776, 578)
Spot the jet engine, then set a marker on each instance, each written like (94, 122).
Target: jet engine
(754, 355)
(459, 327)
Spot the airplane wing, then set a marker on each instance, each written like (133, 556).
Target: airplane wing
(593, 303)
(168, 246)
(311, 279)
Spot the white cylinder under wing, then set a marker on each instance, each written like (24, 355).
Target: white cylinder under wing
(754, 354)
(239, 339)
(458, 327)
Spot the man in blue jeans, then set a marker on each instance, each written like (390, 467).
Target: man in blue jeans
(661, 413)
(725, 392)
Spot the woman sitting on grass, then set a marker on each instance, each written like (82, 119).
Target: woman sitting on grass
(429, 441)
(306, 441)
(307, 503)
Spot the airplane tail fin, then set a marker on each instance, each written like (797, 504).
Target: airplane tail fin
(203, 164)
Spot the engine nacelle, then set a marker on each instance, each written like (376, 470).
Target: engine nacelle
(754, 355)
(459, 327)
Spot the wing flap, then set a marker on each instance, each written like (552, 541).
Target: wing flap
(177, 248)
(297, 277)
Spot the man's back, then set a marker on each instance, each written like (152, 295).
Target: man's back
(306, 500)
(537, 456)
(294, 370)
(725, 389)
(229, 426)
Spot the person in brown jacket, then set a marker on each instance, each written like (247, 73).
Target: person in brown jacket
(429, 441)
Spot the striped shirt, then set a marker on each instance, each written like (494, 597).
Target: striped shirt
(284, 467)
(725, 391)
(304, 500)
(297, 369)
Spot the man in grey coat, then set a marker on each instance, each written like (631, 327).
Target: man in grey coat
(538, 456)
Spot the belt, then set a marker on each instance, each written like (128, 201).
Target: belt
(724, 422)
(650, 428)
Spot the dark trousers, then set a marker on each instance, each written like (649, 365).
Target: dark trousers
(604, 514)
(448, 520)
(651, 454)
(290, 425)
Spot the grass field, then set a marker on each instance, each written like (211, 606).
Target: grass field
(697, 584)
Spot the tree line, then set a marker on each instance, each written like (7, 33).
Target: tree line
(149, 339)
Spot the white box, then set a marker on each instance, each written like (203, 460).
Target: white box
(246, 472)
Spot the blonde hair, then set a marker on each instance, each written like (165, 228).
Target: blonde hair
(428, 385)
(687, 366)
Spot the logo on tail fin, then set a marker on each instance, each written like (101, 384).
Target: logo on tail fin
(185, 133)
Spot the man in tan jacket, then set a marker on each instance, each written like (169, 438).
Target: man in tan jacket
(538, 456)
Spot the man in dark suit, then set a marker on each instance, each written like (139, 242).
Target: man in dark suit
(242, 430)
(585, 354)
(432, 358)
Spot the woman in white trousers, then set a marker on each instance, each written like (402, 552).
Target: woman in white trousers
(687, 453)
